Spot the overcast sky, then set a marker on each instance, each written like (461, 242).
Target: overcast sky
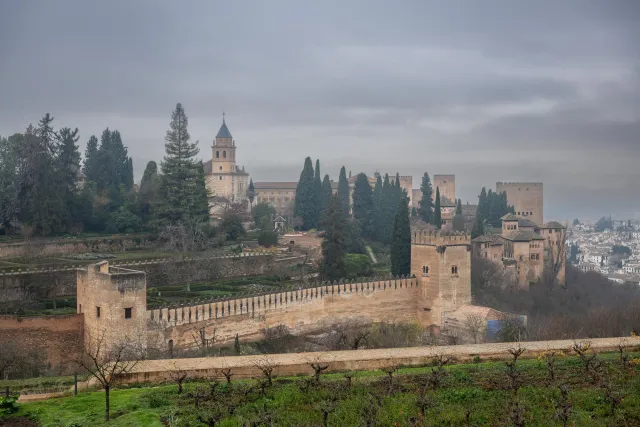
(490, 91)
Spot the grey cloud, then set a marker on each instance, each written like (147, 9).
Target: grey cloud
(488, 90)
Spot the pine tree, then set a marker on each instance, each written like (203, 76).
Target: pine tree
(317, 185)
(180, 172)
(401, 242)
(251, 192)
(9, 180)
(343, 192)
(425, 210)
(459, 207)
(437, 220)
(305, 207)
(327, 193)
(363, 204)
(334, 243)
(47, 135)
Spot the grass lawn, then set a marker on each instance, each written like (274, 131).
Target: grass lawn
(477, 394)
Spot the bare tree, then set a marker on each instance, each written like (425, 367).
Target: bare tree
(267, 366)
(512, 370)
(185, 237)
(563, 406)
(8, 358)
(555, 259)
(318, 365)
(106, 361)
(178, 375)
(586, 355)
(199, 335)
(475, 324)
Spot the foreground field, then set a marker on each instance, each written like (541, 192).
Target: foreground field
(598, 391)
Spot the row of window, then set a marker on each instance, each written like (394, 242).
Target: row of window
(524, 213)
(535, 257)
(224, 154)
(127, 312)
(511, 227)
(425, 270)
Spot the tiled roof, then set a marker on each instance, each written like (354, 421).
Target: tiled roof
(275, 185)
(224, 131)
(526, 223)
(509, 217)
(522, 236)
(446, 203)
(553, 224)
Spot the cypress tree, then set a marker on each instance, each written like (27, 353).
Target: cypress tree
(387, 210)
(459, 207)
(9, 180)
(327, 193)
(251, 192)
(437, 220)
(401, 242)
(305, 207)
(425, 210)
(378, 208)
(478, 224)
(343, 192)
(414, 212)
(334, 243)
(317, 185)
(236, 345)
(68, 167)
(363, 204)
(200, 207)
(458, 219)
(182, 199)
(90, 167)
(149, 192)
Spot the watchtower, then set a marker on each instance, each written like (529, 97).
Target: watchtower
(442, 263)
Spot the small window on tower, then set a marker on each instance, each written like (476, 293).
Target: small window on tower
(127, 313)
(425, 269)
(97, 312)
(220, 167)
(454, 269)
(224, 154)
(217, 154)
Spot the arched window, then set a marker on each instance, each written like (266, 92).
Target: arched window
(217, 154)
(224, 154)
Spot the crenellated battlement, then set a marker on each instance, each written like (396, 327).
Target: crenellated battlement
(257, 304)
(514, 183)
(439, 238)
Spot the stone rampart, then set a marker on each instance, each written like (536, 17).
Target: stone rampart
(302, 310)
(439, 238)
(158, 371)
(56, 336)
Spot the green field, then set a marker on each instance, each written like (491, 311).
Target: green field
(480, 394)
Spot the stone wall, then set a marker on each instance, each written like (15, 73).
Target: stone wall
(158, 371)
(306, 310)
(58, 336)
(30, 287)
(61, 247)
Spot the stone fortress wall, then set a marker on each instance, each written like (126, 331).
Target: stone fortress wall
(526, 198)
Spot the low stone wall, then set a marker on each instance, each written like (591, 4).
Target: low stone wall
(303, 311)
(57, 336)
(22, 288)
(158, 371)
(58, 247)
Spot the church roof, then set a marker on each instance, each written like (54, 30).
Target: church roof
(224, 131)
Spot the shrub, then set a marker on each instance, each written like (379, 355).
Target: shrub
(267, 239)
(357, 265)
(8, 405)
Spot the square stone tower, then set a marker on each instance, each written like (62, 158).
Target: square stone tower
(114, 303)
(442, 263)
(526, 198)
(447, 185)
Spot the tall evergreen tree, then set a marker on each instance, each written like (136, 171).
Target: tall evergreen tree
(363, 204)
(47, 135)
(149, 192)
(9, 180)
(179, 172)
(251, 192)
(378, 208)
(401, 242)
(387, 211)
(458, 219)
(334, 243)
(437, 219)
(343, 192)
(478, 224)
(305, 207)
(459, 207)
(200, 207)
(68, 167)
(327, 193)
(425, 210)
(90, 168)
(317, 183)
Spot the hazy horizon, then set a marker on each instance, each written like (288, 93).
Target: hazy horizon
(488, 91)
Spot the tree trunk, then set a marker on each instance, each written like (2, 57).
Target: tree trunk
(106, 400)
